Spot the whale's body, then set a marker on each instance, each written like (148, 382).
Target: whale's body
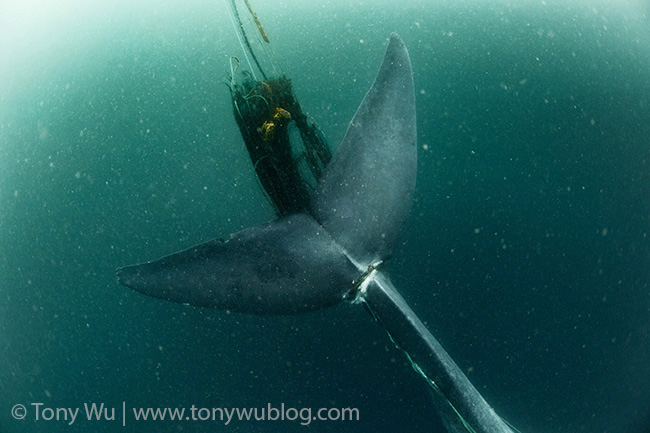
(334, 252)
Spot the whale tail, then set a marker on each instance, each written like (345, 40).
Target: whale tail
(306, 262)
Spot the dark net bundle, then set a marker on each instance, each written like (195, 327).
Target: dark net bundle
(288, 150)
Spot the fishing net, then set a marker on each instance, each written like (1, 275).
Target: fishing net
(288, 150)
(286, 147)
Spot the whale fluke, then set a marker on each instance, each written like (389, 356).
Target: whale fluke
(305, 262)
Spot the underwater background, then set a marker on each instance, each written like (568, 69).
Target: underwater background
(527, 250)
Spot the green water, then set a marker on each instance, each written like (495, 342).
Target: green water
(526, 252)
